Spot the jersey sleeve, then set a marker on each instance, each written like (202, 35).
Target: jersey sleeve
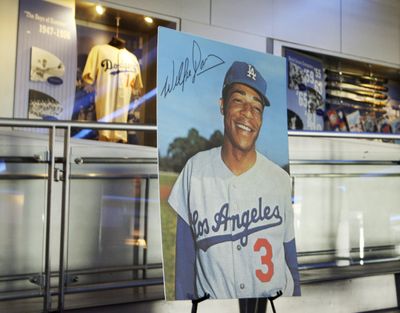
(290, 246)
(289, 221)
(89, 72)
(185, 248)
(179, 197)
(136, 82)
(293, 271)
(185, 262)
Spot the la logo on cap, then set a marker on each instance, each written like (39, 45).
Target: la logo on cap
(251, 73)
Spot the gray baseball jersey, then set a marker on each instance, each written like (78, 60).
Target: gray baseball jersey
(239, 224)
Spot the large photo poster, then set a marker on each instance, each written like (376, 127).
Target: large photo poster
(225, 193)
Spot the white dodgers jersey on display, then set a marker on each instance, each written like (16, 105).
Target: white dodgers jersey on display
(116, 73)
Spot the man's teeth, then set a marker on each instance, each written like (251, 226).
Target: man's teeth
(241, 126)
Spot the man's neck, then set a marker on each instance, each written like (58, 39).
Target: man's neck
(238, 161)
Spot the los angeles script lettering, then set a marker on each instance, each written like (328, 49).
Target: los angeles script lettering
(192, 67)
(243, 222)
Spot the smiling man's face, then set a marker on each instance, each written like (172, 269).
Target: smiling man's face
(243, 113)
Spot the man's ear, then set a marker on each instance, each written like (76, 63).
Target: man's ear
(221, 106)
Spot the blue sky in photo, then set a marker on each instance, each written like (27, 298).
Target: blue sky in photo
(190, 75)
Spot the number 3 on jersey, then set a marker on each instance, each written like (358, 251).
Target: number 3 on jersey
(266, 259)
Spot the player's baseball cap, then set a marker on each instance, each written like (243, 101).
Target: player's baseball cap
(245, 73)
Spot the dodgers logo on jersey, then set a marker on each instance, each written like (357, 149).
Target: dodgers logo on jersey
(220, 229)
(115, 68)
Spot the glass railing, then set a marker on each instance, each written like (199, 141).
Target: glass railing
(346, 204)
(80, 220)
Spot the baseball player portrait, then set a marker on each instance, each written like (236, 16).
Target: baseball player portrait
(234, 217)
(234, 206)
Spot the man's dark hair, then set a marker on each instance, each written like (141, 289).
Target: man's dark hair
(225, 93)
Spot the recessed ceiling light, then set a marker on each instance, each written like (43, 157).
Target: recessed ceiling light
(100, 9)
(148, 20)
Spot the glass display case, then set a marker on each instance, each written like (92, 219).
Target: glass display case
(331, 93)
(343, 116)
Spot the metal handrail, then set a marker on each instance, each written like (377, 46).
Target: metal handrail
(342, 175)
(91, 271)
(110, 176)
(78, 176)
(7, 122)
(82, 288)
(120, 126)
(80, 160)
(114, 160)
(64, 209)
(115, 285)
(352, 250)
(344, 162)
(129, 160)
(48, 211)
(23, 176)
(333, 264)
(329, 134)
(23, 159)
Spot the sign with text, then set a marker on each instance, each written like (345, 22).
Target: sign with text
(305, 92)
(46, 61)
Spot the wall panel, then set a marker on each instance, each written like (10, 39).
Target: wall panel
(253, 16)
(372, 29)
(240, 39)
(309, 22)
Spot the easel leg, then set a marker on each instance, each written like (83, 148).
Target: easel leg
(253, 305)
(271, 299)
(397, 283)
(195, 302)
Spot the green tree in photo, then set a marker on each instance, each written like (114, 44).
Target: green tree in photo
(182, 149)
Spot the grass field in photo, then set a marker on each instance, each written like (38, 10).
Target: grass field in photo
(168, 223)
